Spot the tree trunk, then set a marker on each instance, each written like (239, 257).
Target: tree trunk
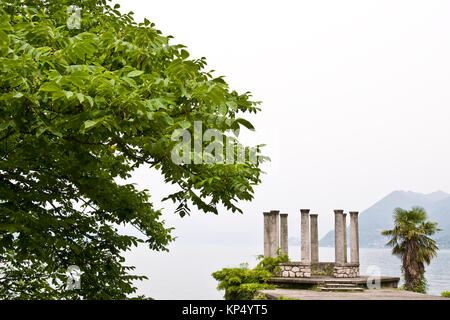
(413, 269)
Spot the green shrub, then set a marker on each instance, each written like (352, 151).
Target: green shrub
(285, 298)
(271, 264)
(422, 287)
(259, 296)
(243, 283)
(327, 272)
(445, 294)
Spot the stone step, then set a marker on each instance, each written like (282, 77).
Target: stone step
(339, 285)
(346, 289)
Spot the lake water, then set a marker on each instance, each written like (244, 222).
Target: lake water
(185, 271)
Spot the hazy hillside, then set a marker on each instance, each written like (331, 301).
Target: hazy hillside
(379, 217)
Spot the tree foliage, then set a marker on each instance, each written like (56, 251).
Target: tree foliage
(81, 108)
(410, 240)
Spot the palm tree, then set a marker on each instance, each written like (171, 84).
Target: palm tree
(411, 242)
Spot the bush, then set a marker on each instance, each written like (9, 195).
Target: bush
(422, 287)
(285, 298)
(271, 264)
(445, 294)
(327, 272)
(259, 296)
(419, 288)
(243, 283)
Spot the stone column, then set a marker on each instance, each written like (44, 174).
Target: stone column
(267, 234)
(284, 233)
(354, 237)
(314, 238)
(345, 236)
(339, 236)
(305, 245)
(276, 232)
(271, 233)
(275, 239)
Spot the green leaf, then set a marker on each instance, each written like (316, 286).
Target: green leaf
(56, 132)
(134, 73)
(169, 120)
(91, 123)
(40, 131)
(68, 94)
(185, 124)
(90, 100)
(184, 54)
(223, 109)
(49, 87)
(80, 97)
(245, 123)
(232, 105)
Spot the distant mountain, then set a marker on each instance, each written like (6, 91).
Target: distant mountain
(379, 217)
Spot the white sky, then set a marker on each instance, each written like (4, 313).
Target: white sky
(355, 101)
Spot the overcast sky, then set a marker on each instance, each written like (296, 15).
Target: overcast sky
(355, 101)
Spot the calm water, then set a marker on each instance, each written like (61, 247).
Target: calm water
(185, 271)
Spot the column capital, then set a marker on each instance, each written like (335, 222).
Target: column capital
(274, 211)
(313, 215)
(266, 213)
(283, 214)
(304, 210)
(338, 211)
(354, 213)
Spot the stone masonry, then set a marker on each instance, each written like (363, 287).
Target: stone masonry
(294, 270)
(347, 270)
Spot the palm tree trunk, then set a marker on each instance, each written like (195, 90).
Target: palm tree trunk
(413, 269)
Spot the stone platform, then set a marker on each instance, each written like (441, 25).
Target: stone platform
(319, 280)
(381, 294)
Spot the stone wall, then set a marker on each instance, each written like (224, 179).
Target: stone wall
(322, 268)
(347, 270)
(294, 270)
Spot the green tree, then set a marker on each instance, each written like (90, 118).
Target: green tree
(411, 242)
(81, 108)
